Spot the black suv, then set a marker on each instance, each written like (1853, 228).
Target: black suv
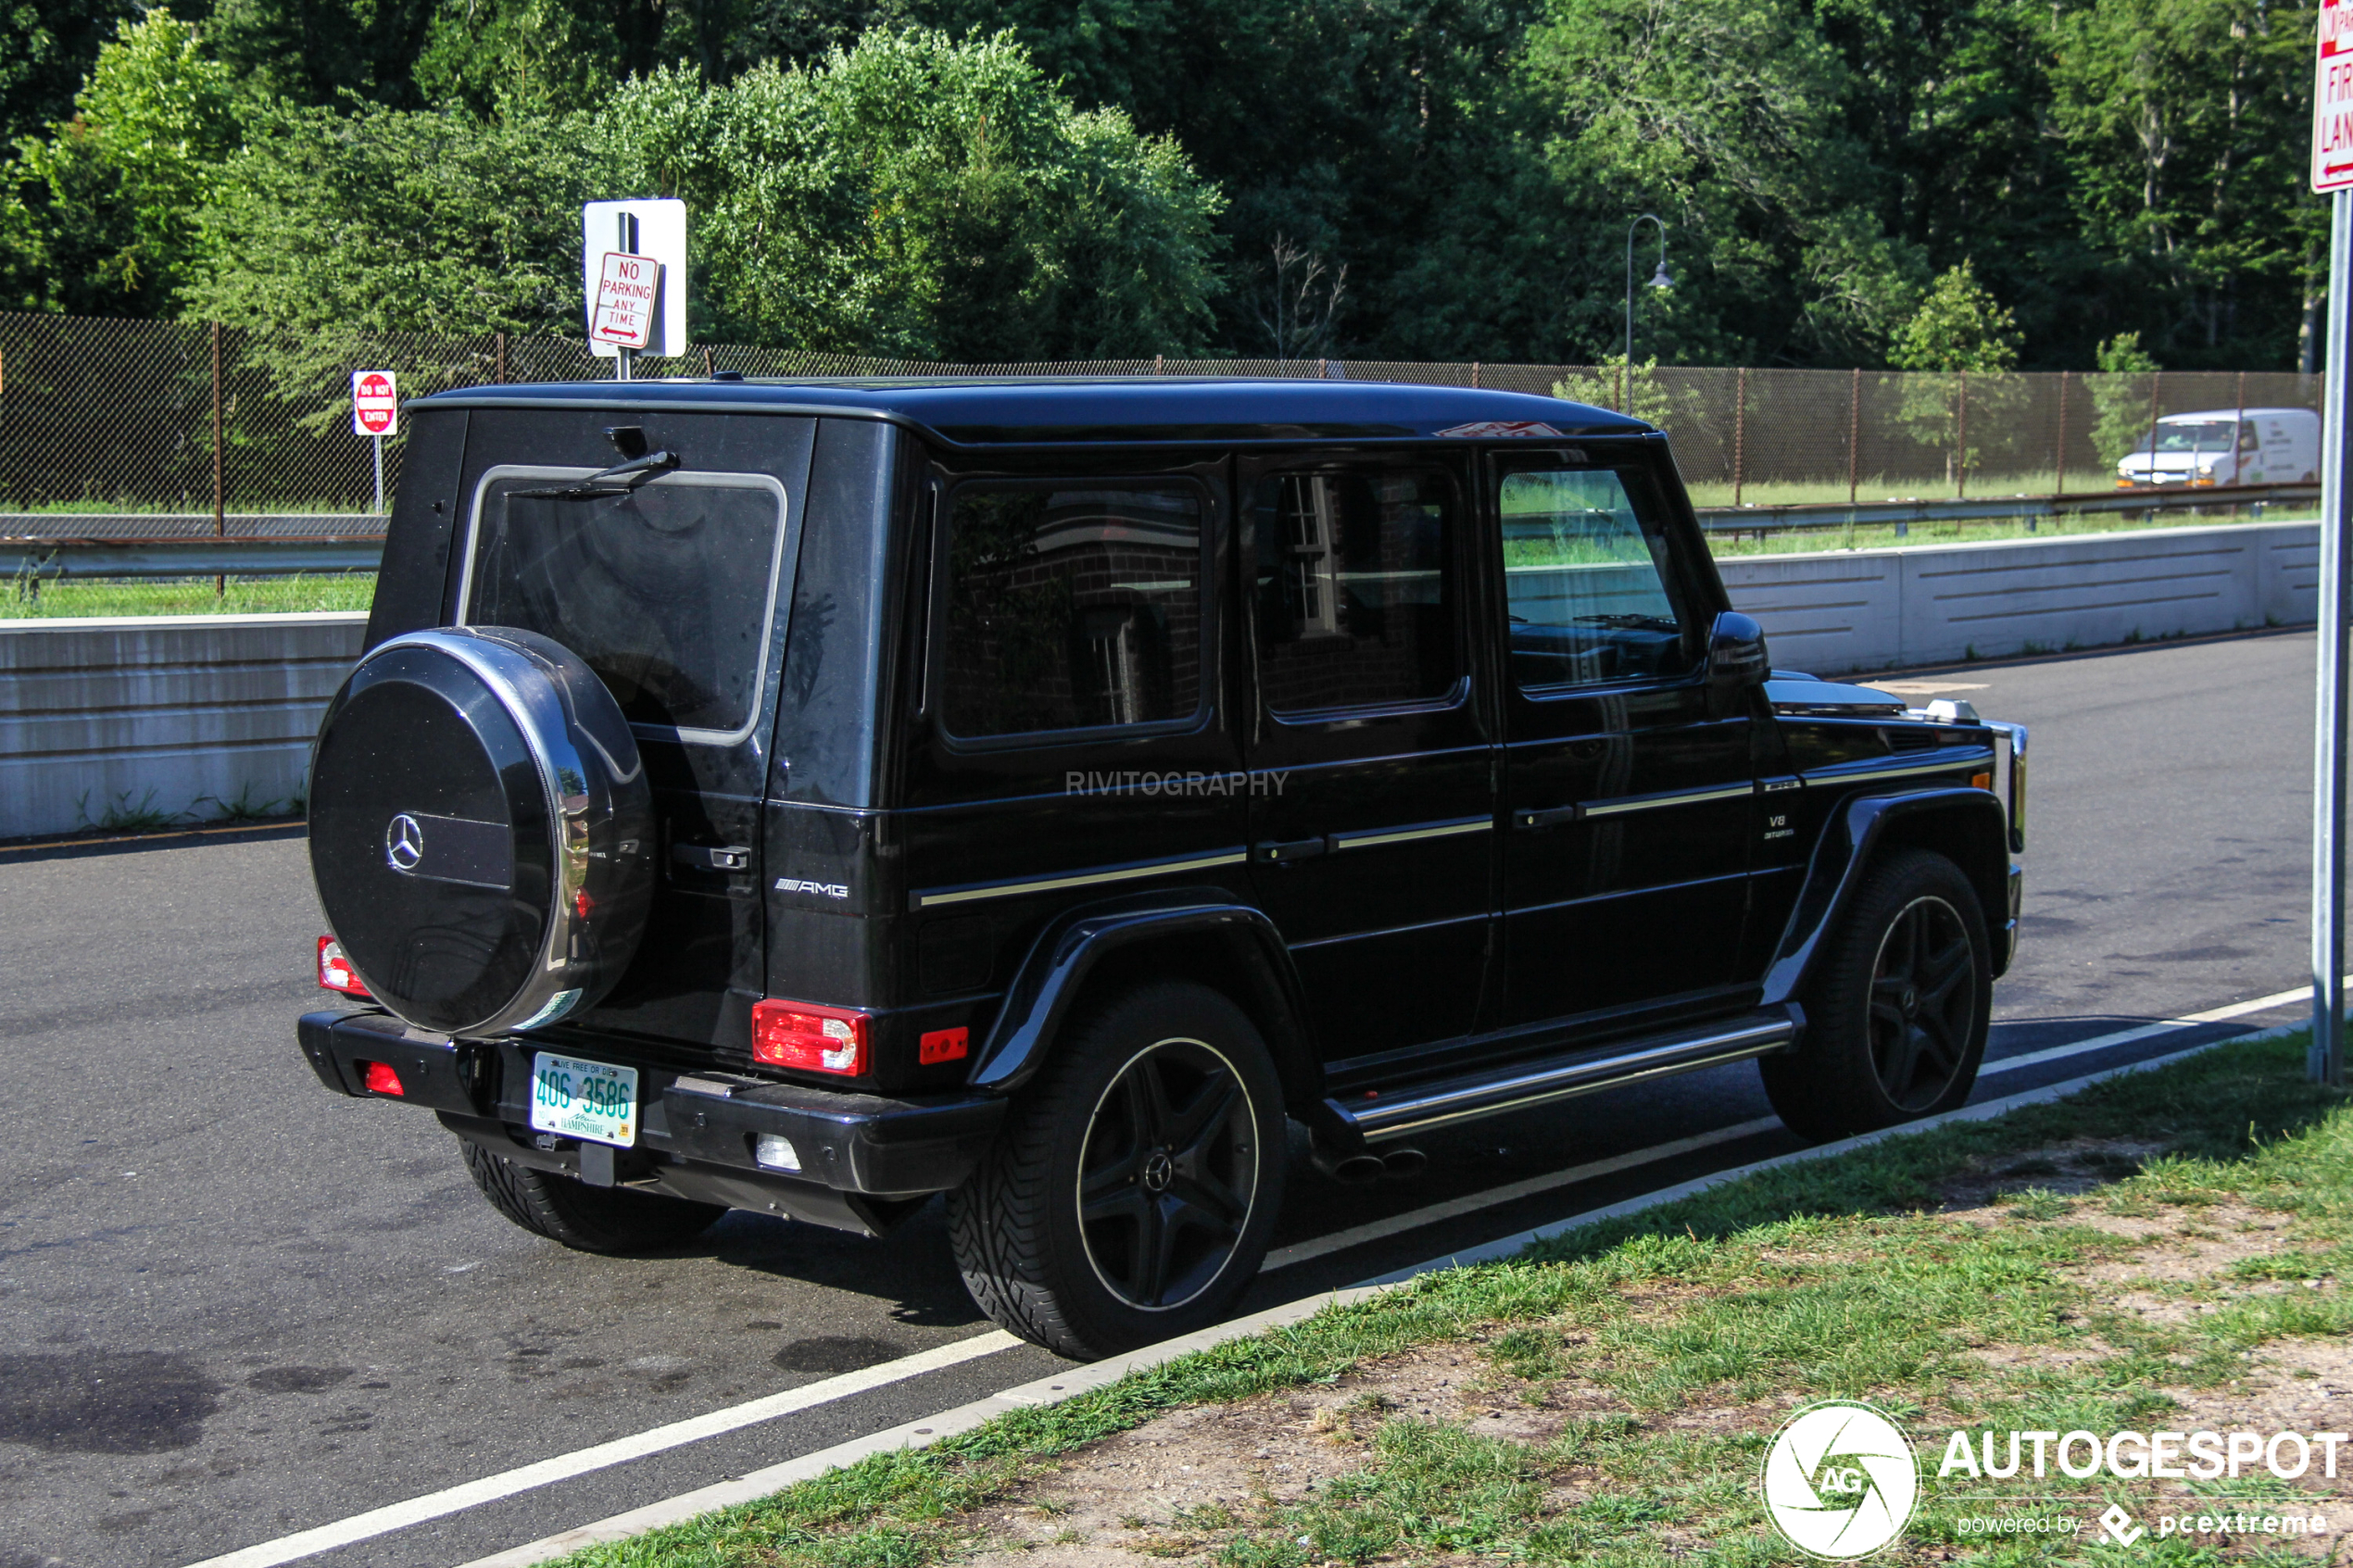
(813, 797)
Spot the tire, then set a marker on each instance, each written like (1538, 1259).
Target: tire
(1164, 1105)
(586, 1219)
(1897, 1012)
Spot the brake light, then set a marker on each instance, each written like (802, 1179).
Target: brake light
(382, 1079)
(336, 973)
(813, 1038)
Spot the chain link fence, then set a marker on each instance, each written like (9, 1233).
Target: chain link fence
(210, 430)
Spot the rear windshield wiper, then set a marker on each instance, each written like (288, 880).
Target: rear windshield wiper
(618, 480)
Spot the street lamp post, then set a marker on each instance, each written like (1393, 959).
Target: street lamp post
(1660, 280)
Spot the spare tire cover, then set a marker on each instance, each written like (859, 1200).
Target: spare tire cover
(481, 830)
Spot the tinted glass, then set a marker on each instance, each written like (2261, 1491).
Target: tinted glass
(1586, 582)
(664, 591)
(1071, 605)
(1356, 590)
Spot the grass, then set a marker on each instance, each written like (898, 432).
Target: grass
(243, 596)
(1833, 1278)
(1880, 487)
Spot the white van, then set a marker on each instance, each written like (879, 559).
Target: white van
(2274, 447)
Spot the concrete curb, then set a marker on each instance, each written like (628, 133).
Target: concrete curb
(1054, 1389)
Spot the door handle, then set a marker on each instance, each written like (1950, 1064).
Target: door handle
(1548, 817)
(1288, 851)
(710, 858)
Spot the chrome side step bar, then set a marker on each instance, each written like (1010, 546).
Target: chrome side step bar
(1375, 1118)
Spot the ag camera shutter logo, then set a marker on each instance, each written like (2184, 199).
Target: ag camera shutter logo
(1840, 1480)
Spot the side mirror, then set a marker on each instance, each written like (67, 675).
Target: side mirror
(1736, 657)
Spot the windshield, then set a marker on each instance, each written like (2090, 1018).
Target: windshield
(666, 590)
(2192, 436)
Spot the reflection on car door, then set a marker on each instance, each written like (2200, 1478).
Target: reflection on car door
(1372, 824)
(1628, 799)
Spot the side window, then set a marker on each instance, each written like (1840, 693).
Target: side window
(1586, 582)
(1071, 605)
(1355, 593)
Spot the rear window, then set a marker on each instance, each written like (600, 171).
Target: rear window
(668, 592)
(1071, 605)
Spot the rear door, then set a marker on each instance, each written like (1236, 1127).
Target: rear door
(1372, 805)
(678, 593)
(1629, 797)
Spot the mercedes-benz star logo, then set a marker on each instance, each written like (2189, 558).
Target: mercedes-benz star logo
(404, 842)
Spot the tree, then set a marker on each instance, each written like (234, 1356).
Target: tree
(1962, 331)
(114, 192)
(2121, 400)
(921, 197)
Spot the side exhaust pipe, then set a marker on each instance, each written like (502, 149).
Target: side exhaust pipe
(1358, 1169)
(1402, 1163)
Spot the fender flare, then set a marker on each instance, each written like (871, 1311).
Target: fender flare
(1055, 970)
(1856, 828)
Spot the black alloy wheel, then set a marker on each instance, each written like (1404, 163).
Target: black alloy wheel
(1924, 1008)
(1896, 1008)
(1131, 1194)
(1167, 1176)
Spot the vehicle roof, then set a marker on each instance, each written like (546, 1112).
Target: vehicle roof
(988, 410)
(2226, 413)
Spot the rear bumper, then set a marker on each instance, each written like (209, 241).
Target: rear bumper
(861, 1157)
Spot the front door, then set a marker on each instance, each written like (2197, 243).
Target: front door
(1373, 808)
(1627, 795)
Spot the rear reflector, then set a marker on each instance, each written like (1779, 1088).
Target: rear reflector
(813, 1038)
(336, 973)
(382, 1079)
(943, 1045)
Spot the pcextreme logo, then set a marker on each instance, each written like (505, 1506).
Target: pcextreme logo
(1840, 1480)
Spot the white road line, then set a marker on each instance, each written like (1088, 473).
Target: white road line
(1376, 1230)
(563, 1467)
(1052, 1389)
(490, 1489)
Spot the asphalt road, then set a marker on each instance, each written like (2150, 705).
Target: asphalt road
(232, 1307)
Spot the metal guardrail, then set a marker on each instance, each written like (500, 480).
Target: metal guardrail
(52, 561)
(57, 557)
(188, 525)
(1877, 514)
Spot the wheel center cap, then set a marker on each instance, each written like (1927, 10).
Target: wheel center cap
(1911, 1001)
(1159, 1171)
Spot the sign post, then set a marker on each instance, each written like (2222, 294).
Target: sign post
(634, 278)
(375, 411)
(2332, 176)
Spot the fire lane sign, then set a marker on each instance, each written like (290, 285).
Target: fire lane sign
(627, 292)
(2333, 99)
(375, 406)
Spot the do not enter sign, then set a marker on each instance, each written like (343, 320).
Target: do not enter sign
(376, 406)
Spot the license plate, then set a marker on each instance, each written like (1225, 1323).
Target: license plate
(583, 1099)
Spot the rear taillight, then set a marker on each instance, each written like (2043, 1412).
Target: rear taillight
(336, 973)
(381, 1079)
(813, 1038)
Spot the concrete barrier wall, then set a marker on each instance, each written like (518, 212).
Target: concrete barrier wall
(1838, 612)
(119, 722)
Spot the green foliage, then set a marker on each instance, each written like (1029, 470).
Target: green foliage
(2123, 404)
(923, 197)
(1958, 327)
(113, 191)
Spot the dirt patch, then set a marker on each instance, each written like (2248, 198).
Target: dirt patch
(2065, 1169)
